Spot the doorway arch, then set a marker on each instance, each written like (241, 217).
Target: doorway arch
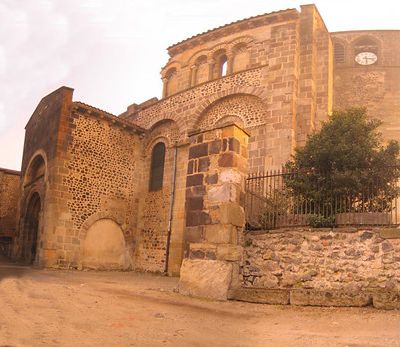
(31, 228)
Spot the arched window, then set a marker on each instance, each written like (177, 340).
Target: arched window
(202, 70)
(170, 82)
(157, 167)
(221, 64)
(224, 67)
(35, 171)
(339, 53)
(241, 57)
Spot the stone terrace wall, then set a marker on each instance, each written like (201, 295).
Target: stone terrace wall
(9, 195)
(343, 259)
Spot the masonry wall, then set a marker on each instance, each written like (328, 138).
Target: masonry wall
(376, 86)
(42, 134)
(97, 178)
(9, 196)
(350, 260)
(278, 85)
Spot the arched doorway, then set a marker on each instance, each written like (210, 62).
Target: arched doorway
(31, 227)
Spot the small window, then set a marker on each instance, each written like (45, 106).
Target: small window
(157, 167)
(339, 53)
(224, 68)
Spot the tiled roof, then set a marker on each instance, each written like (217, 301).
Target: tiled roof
(230, 24)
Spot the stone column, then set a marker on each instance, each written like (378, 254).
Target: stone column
(217, 169)
(192, 79)
(165, 85)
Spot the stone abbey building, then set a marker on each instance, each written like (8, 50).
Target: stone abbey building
(164, 180)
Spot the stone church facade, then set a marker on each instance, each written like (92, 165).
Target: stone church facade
(138, 190)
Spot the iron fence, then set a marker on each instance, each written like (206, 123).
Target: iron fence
(272, 203)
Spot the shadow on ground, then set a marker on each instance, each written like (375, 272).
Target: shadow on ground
(9, 268)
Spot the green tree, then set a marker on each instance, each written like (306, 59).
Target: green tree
(346, 157)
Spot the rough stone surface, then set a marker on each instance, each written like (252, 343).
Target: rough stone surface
(261, 296)
(208, 279)
(386, 300)
(311, 297)
(322, 260)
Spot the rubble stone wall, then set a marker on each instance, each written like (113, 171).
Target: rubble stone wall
(348, 259)
(9, 197)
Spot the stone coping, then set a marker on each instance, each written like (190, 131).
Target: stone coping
(385, 232)
(381, 299)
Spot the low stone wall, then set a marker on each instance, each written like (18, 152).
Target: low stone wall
(334, 267)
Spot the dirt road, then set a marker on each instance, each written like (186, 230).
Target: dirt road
(73, 308)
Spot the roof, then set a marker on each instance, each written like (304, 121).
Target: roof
(11, 172)
(94, 111)
(255, 21)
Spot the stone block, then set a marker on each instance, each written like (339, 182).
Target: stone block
(204, 164)
(229, 252)
(226, 192)
(196, 203)
(231, 213)
(195, 218)
(390, 233)
(194, 234)
(198, 151)
(215, 147)
(194, 180)
(227, 159)
(212, 178)
(312, 297)
(231, 176)
(209, 279)
(234, 145)
(386, 300)
(261, 295)
(217, 233)
(202, 251)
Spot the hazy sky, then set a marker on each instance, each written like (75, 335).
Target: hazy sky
(111, 51)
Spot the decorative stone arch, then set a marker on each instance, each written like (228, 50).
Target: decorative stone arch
(198, 113)
(166, 129)
(243, 39)
(221, 62)
(240, 56)
(36, 168)
(200, 70)
(230, 119)
(198, 54)
(250, 109)
(221, 47)
(172, 65)
(170, 82)
(104, 243)
(366, 43)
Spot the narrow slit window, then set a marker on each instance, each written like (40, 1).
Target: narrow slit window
(157, 167)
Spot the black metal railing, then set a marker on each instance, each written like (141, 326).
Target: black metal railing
(272, 203)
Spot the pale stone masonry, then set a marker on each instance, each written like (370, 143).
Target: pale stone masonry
(216, 172)
(84, 198)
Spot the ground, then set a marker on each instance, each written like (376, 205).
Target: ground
(77, 308)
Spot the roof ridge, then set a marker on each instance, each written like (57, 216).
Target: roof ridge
(111, 116)
(228, 24)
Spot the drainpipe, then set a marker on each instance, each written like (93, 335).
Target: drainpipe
(171, 208)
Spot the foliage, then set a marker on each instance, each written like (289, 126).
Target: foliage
(346, 157)
(275, 204)
(320, 221)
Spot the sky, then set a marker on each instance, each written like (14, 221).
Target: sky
(111, 51)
